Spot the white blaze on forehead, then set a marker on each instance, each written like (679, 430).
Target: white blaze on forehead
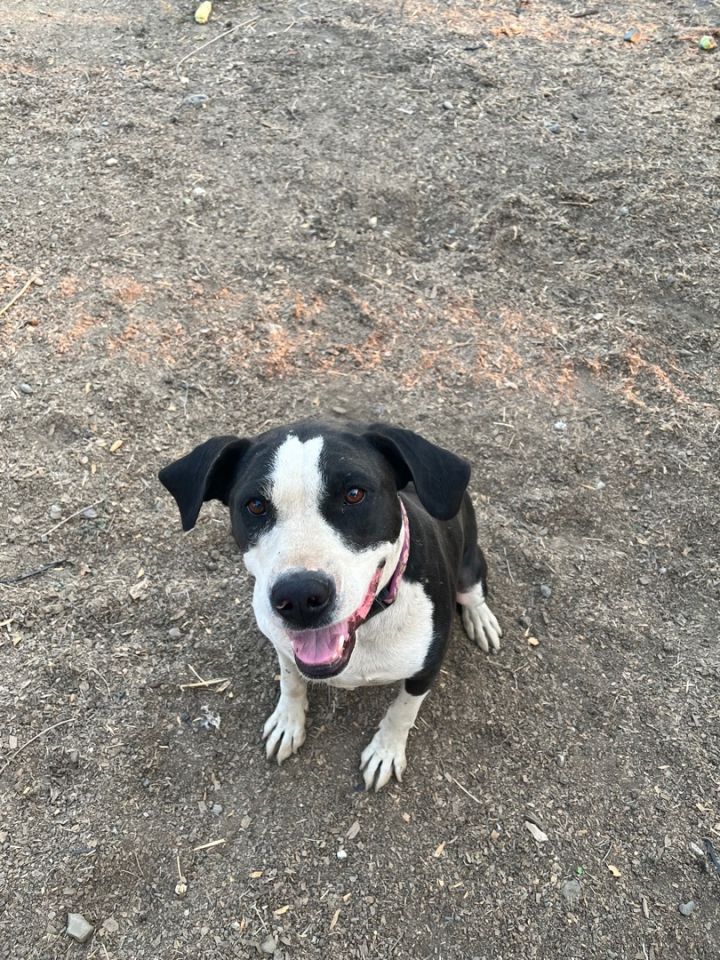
(296, 480)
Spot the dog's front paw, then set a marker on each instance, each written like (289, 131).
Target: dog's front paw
(284, 729)
(383, 756)
(481, 626)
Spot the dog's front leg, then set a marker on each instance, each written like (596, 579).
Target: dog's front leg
(385, 754)
(285, 727)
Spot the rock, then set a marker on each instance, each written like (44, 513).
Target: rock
(554, 127)
(571, 891)
(341, 854)
(217, 809)
(269, 946)
(26, 388)
(545, 591)
(560, 426)
(174, 633)
(89, 513)
(111, 162)
(687, 908)
(199, 192)
(111, 925)
(55, 512)
(195, 99)
(74, 757)
(78, 928)
(669, 647)
(447, 105)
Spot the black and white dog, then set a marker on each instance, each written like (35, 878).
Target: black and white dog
(361, 540)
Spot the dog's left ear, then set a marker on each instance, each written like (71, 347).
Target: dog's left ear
(440, 477)
(206, 473)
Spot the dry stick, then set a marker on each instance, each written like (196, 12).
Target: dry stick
(17, 296)
(33, 573)
(203, 683)
(72, 515)
(32, 740)
(245, 23)
(213, 843)
(458, 784)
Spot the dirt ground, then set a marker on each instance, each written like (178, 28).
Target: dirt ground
(495, 223)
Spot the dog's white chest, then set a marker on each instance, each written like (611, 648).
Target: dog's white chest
(393, 645)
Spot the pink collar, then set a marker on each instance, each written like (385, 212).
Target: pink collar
(388, 594)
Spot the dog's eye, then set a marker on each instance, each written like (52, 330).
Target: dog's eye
(257, 506)
(354, 495)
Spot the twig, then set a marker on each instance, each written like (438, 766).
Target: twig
(213, 843)
(26, 285)
(593, 11)
(507, 564)
(458, 784)
(35, 573)
(204, 683)
(32, 740)
(72, 515)
(245, 23)
(712, 853)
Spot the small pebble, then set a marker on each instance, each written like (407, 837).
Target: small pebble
(89, 513)
(624, 211)
(26, 388)
(199, 192)
(74, 757)
(447, 105)
(545, 591)
(339, 411)
(269, 946)
(111, 925)
(571, 891)
(668, 646)
(554, 127)
(525, 622)
(174, 633)
(111, 162)
(55, 512)
(560, 425)
(687, 908)
(78, 928)
(216, 809)
(341, 854)
(372, 222)
(195, 99)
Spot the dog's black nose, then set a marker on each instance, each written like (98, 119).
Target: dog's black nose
(303, 599)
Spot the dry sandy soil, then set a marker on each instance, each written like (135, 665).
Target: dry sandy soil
(493, 223)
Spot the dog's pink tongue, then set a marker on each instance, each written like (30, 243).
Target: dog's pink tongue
(320, 647)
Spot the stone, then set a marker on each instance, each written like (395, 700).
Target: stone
(686, 909)
(78, 928)
(571, 891)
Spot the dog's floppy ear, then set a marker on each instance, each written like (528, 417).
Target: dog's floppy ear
(440, 477)
(206, 473)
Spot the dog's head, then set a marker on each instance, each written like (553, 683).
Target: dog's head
(314, 509)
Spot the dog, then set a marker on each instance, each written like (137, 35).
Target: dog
(361, 539)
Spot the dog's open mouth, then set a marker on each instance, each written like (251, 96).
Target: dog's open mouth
(325, 652)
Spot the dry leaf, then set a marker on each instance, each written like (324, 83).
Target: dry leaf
(255, 874)
(336, 917)
(115, 445)
(281, 910)
(406, 817)
(354, 830)
(439, 850)
(138, 589)
(203, 12)
(613, 870)
(536, 832)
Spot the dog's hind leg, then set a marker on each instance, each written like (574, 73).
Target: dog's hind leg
(477, 617)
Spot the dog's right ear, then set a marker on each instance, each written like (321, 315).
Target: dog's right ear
(206, 473)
